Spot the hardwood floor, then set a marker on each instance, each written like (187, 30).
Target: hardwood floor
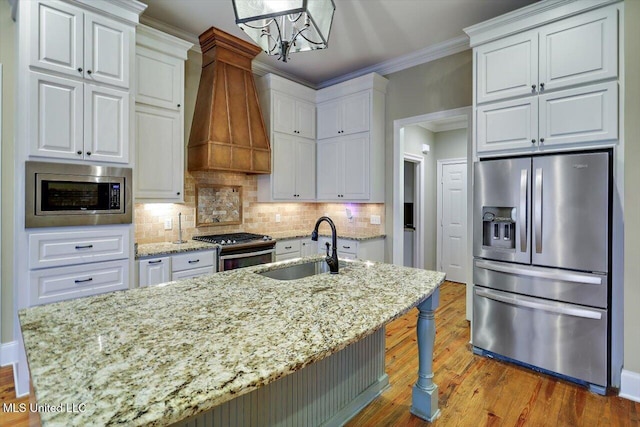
(473, 390)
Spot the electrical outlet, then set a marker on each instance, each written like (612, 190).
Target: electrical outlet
(375, 219)
(168, 224)
(277, 217)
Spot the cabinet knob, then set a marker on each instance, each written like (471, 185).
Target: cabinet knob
(178, 193)
(178, 105)
(88, 71)
(533, 88)
(533, 141)
(79, 70)
(79, 153)
(541, 139)
(88, 153)
(541, 86)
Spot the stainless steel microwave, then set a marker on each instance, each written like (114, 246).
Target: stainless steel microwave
(62, 194)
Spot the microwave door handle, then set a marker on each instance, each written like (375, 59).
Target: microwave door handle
(537, 210)
(524, 175)
(521, 302)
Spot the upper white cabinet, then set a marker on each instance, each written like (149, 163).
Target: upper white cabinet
(290, 115)
(555, 83)
(294, 116)
(344, 116)
(570, 52)
(351, 140)
(72, 41)
(159, 116)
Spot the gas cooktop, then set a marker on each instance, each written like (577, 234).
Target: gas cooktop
(231, 239)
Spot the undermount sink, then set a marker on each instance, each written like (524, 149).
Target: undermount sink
(299, 271)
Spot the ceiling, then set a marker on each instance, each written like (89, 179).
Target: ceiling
(364, 34)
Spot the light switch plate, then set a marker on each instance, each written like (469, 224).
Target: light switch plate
(277, 217)
(168, 224)
(375, 219)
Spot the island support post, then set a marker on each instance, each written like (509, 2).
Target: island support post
(424, 399)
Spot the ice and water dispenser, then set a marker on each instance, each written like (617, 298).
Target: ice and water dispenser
(499, 227)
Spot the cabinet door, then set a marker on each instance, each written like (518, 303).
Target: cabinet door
(329, 119)
(585, 114)
(580, 49)
(159, 154)
(507, 67)
(194, 272)
(330, 169)
(158, 79)
(56, 124)
(305, 169)
(154, 271)
(106, 124)
(305, 119)
(508, 125)
(308, 247)
(284, 167)
(57, 37)
(107, 50)
(356, 167)
(355, 113)
(284, 113)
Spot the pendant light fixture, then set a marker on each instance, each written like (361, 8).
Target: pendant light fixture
(281, 27)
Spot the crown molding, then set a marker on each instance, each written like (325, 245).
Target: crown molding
(445, 125)
(528, 17)
(419, 57)
(128, 10)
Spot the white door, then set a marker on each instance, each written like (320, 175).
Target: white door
(106, 124)
(355, 113)
(154, 271)
(305, 119)
(158, 78)
(508, 125)
(158, 170)
(454, 221)
(330, 169)
(305, 169)
(284, 113)
(107, 50)
(329, 119)
(284, 170)
(356, 167)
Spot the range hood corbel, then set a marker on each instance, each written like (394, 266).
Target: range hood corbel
(228, 132)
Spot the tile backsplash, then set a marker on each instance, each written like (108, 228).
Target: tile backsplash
(257, 217)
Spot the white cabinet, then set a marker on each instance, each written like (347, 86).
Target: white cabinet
(75, 120)
(159, 141)
(293, 116)
(569, 52)
(308, 246)
(154, 271)
(287, 249)
(72, 264)
(72, 41)
(343, 165)
(369, 249)
(346, 115)
(294, 168)
(162, 269)
(290, 115)
(573, 116)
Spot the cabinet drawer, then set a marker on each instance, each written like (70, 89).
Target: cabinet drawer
(63, 283)
(347, 246)
(194, 272)
(80, 247)
(290, 255)
(192, 260)
(288, 246)
(154, 271)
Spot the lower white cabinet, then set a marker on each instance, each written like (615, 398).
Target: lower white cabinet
(295, 248)
(308, 246)
(62, 283)
(370, 249)
(78, 262)
(156, 270)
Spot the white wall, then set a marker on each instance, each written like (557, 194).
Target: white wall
(451, 144)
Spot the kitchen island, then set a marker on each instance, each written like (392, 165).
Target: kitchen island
(168, 353)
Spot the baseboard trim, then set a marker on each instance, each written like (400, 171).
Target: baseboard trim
(630, 385)
(9, 353)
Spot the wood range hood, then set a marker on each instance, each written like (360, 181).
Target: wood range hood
(228, 132)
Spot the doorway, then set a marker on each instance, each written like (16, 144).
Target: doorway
(413, 212)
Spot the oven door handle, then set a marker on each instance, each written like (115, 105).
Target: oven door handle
(246, 254)
(529, 303)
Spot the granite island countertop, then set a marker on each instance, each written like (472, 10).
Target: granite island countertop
(157, 355)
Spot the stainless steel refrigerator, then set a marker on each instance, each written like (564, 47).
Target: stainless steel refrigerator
(542, 261)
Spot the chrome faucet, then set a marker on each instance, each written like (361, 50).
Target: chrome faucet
(332, 260)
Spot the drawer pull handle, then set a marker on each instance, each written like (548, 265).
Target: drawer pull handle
(84, 280)
(84, 246)
(346, 247)
(288, 247)
(158, 261)
(193, 261)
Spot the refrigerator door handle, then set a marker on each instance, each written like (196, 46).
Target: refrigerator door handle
(537, 211)
(531, 303)
(524, 175)
(542, 274)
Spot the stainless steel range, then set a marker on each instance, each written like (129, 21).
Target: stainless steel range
(239, 250)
